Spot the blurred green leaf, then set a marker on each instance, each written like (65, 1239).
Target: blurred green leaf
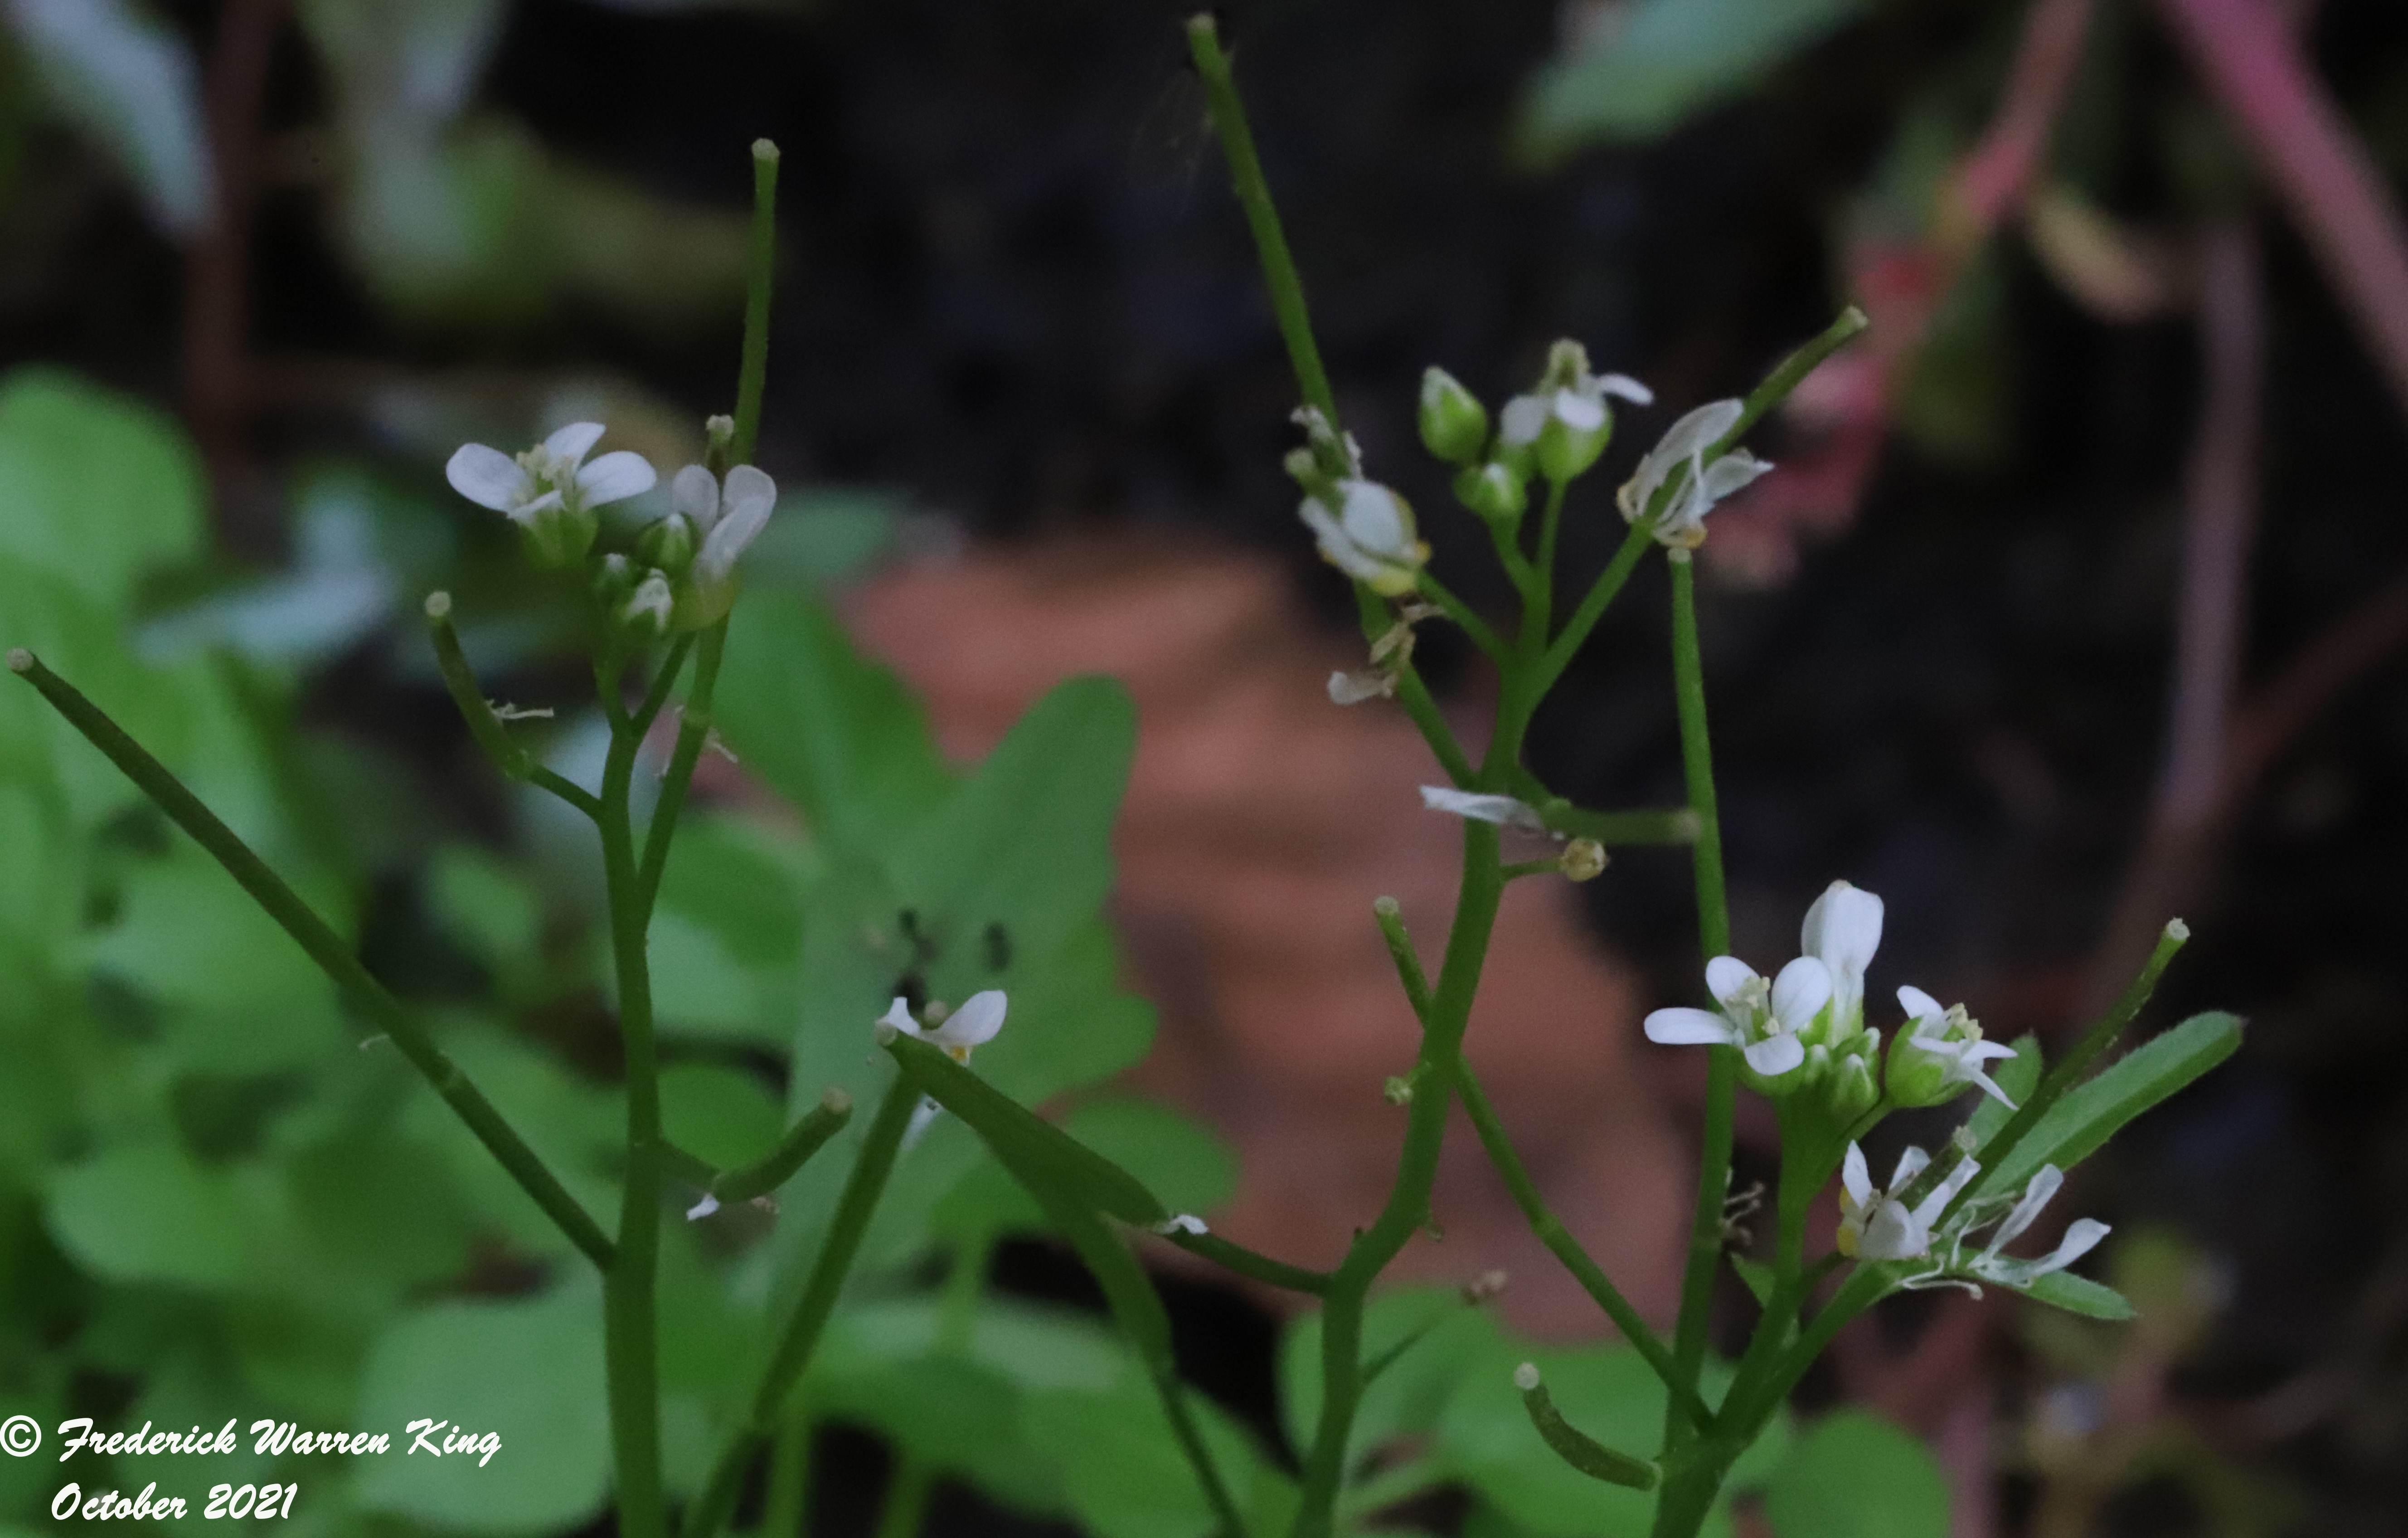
(1175, 1158)
(2097, 1108)
(721, 1115)
(526, 1369)
(147, 1212)
(1856, 1475)
(2080, 1295)
(95, 488)
(1651, 64)
(1122, 1469)
(1408, 1398)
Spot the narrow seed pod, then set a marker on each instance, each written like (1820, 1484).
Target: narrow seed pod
(1575, 1447)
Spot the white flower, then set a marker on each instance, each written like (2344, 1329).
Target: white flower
(1843, 928)
(1874, 1225)
(1681, 522)
(549, 491)
(1948, 1040)
(2081, 1236)
(1761, 1018)
(1355, 687)
(1504, 811)
(1370, 536)
(727, 518)
(974, 1023)
(1574, 407)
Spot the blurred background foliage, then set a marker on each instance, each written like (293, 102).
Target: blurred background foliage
(336, 238)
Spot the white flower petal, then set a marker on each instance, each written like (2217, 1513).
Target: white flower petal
(1912, 1161)
(693, 490)
(1518, 423)
(1697, 432)
(1993, 1088)
(1893, 1234)
(899, 1017)
(1627, 388)
(1844, 929)
(1945, 1192)
(1776, 1055)
(707, 1205)
(615, 477)
(572, 444)
(1728, 976)
(975, 1023)
(1504, 811)
(1688, 1027)
(1919, 1005)
(1355, 688)
(1802, 990)
(2038, 1192)
(2082, 1236)
(748, 484)
(1854, 1178)
(924, 1116)
(1374, 519)
(526, 513)
(1577, 411)
(1730, 474)
(1336, 548)
(488, 477)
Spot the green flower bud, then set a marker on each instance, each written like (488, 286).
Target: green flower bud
(1494, 491)
(1453, 424)
(1573, 434)
(1850, 1091)
(614, 577)
(666, 545)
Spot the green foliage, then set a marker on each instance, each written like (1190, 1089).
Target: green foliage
(2079, 1124)
(1657, 64)
(1856, 1475)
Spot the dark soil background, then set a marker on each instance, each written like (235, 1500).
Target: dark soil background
(1018, 288)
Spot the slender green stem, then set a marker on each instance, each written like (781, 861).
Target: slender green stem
(1669, 825)
(694, 733)
(1560, 1243)
(334, 957)
(483, 724)
(760, 267)
(778, 1166)
(1254, 196)
(1461, 614)
(1540, 599)
(789, 1474)
(1745, 1414)
(631, 1315)
(663, 681)
(1713, 934)
(801, 1335)
(1787, 375)
(1252, 1264)
(1375, 616)
(1592, 607)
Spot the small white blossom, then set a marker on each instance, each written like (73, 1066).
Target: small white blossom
(1947, 1040)
(728, 517)
(973, 1025)
(1369, 535)
(1762, 1018)
(1844, 928)
(1682, 523)
(1874, 1225)
(549, 491)
(1504, 811)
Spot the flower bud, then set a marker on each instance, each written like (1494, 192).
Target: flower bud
(1494, 491)
(668, 545)
(719, 443)
(614, 577)
(1850, 1091)
(645, 614)
(1517, 433)
(1453, 424)
(1573, 434)
(1583, 859)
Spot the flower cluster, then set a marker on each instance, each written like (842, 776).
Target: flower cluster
(1680, 522)
(1804, 1029)
(679, 571)
(1877, 1225)
(1557, 430)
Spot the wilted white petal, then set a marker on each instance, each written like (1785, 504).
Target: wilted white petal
(2038, 1192)
(974, 1023)
(1893, 1234)
(694, 492)
(1730, 474)
(1373, 521)
(1800, 990)
(615, 477)
(1776, 1055)
(1355, 688)
(1627, 388)
(1504, 811)
(572, 444)
(1727, 977)
(1336, 548)
(1945, 1192)
(2082, 1236)
(1688, 1027)
(488, 477)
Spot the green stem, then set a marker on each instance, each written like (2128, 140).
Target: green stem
(328, 950)
(1461, 614)
(1713, 935)
(631, 1317)
(694, 733)
(800, 1336)
(1254, 196)
(759, 268)
(789, 1474)
(1789, 375)
(1592, 607)
(663, 681)
(1251, 1264)
(1540, 597)
(483, 724)
(1613, 828)
(778, 1166)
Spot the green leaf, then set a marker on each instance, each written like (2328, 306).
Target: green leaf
(148, 1213)
(1048, 1159)
(2079, 1295)
(1124, 1475)
(95, 488)
(2018, 1076)
(1174, 1157)
(1660, 62)
(2096, 1110)
(528, 1370)
(1856, 1475)
(1755, 1275)
(721, 1115)
(1439, 1336)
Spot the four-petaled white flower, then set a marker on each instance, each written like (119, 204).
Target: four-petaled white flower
(1844, 929)
(1761, 1018)
(549, 491)
(1680, 525)
(1945, 1040)
(1504, 811)
(1369, 535)
(972, 1025)
(1874, 1225)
